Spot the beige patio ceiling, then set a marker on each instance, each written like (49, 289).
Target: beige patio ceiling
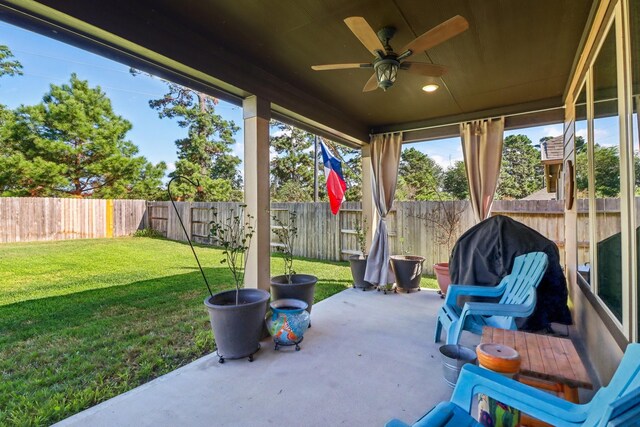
(516, 56)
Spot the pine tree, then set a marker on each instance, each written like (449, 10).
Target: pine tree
(205, 155)
(455, 182)
(521, 172)
(9, 66)
(352, 170)
(421, 176)
(292, 168)
(72, 144)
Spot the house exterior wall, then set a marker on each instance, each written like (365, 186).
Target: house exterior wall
(604, 335)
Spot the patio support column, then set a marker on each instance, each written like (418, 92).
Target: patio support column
(368, 208)
(256, 114)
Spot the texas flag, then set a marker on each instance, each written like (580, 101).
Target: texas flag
(335, 180)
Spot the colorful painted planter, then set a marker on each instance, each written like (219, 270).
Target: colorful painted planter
(505, 360)
(287, 321)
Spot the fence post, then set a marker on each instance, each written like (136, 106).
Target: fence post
(146, 221)
(109, 218)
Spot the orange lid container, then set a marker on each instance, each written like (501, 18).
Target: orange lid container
(498, 358)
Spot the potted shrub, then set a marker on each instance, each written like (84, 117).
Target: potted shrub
(358, 263)
(291, 284)
(236, 316)
(407, 269)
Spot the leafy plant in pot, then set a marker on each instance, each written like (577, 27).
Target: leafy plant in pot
(358, 263)
(236, 316)
(291, 285)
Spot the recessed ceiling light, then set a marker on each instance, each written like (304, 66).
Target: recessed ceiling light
(432, 87)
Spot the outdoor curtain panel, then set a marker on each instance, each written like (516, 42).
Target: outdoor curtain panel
(385, 159)
(638, 118)
(482, 149)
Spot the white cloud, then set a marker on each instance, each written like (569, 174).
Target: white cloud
(582, 133)
(445, 162)
(605, 137)
(554, 130)
(279, 132)
(171, 166)
(238, 149)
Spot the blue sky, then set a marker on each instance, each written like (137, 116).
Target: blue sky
(47, 61)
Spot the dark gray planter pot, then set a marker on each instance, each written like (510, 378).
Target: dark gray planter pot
(237, 329)
(408, 272)
(358, 267)
(302, 287)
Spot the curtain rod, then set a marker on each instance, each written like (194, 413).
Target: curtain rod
(542, 110)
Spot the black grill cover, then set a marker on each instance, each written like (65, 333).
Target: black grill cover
(485, 253)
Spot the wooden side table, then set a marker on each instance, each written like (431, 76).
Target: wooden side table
(553, 360)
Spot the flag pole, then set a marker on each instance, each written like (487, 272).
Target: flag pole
(315, 168)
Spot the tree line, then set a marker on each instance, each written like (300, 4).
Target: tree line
(73, 144)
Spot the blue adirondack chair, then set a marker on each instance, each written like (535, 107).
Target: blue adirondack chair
(518, 299)
(617, 404)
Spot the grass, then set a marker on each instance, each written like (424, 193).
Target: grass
(85, 320)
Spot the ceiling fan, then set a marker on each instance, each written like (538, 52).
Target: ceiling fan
(387, 62)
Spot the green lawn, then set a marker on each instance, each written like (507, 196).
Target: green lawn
(82, 321)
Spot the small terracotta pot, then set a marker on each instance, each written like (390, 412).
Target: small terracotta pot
(442, 274)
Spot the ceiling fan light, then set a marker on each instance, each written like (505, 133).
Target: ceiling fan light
(386, 73)
(431, 87)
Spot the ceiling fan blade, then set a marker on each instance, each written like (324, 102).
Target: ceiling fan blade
(363, 31)
(437, 35)
(372, 83)
(339, 66)
(424, 69)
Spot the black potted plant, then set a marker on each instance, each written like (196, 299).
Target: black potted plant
(237, 316)
(358, 263)
(407, 270)
(291, 284)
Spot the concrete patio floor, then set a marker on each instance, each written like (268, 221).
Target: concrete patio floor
(368, 357)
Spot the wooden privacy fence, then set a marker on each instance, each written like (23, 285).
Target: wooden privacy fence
(322, 235)
(27, 219)
(318, 230)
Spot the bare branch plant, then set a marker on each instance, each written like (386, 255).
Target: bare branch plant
(361, 236)
(233, 234)
(287, 234)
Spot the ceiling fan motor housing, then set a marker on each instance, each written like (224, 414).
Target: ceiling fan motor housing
(385, 34)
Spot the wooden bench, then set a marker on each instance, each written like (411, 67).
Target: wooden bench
(547, 362)
(544, 357)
